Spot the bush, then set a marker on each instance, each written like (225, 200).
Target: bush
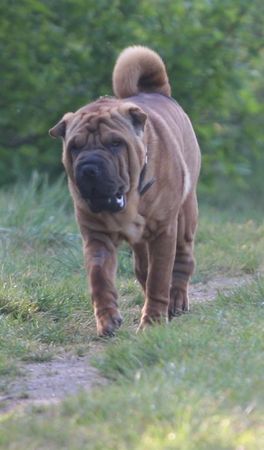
(57, 56)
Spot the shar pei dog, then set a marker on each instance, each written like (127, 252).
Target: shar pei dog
(132, 163)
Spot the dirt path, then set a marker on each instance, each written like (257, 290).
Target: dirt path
(50, 382)
(204, 292)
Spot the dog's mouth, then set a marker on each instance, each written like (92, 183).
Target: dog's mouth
(113, 203)
(99, 183)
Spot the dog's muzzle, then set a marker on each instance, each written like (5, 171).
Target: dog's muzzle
(99, 183)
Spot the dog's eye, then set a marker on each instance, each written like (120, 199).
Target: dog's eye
(75, 151)
(116, 143)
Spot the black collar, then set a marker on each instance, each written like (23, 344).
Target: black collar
(143, 187)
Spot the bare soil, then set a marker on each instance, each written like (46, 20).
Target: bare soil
(204, 292)
(50, 382)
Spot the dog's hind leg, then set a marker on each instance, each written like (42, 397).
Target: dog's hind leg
(184, 263)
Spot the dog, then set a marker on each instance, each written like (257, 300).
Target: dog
(133, 163)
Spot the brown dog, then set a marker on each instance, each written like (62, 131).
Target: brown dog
(133, 163)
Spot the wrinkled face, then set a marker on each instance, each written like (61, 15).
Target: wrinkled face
(97, 178)
(103, 153)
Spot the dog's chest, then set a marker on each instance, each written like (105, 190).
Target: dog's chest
(139, 230)
(133, 231)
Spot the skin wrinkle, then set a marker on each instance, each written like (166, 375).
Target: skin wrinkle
(132, 164)
(134, 230)
(94, 140)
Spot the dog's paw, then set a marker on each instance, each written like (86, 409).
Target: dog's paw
(179, 303)
(108, 322)
(151, 320)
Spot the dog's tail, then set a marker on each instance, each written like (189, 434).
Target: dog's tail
(139, 69)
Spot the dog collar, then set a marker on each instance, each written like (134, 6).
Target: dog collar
(142, 188)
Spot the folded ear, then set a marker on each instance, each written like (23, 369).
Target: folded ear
(59, 129)
(138, 118)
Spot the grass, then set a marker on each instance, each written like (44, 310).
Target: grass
(195, 384)
(232, 246)
(192, 385)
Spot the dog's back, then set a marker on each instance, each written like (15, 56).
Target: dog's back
(140, 77)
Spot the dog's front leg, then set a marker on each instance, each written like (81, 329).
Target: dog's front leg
(161, 257)
(101, 260)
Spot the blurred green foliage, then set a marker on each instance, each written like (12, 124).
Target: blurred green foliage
(58, 55)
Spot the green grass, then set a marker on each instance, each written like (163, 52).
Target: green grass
(194, 384)
(228, 245)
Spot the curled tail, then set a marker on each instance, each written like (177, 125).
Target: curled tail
(139, 69)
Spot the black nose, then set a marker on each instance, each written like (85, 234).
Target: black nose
(89, 171)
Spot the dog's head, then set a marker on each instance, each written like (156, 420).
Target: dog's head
(104, 152)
